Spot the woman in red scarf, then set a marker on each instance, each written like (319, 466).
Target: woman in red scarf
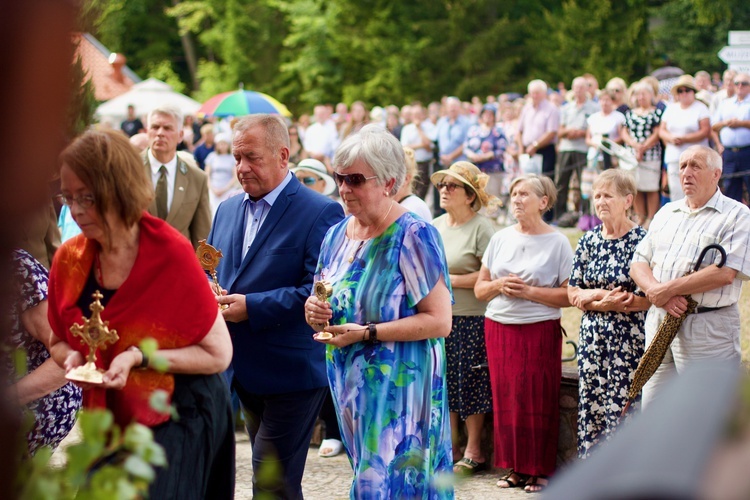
(152, 286)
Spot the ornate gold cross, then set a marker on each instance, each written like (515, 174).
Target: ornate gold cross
(96, 334)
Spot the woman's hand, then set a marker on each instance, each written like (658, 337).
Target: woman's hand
(580, 298)
(639, 150)
(343, 335)
(317, 313)
(616, 300)
(74, 359)
(119, 369)
(513, 286)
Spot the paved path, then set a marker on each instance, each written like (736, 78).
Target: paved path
(330, 478)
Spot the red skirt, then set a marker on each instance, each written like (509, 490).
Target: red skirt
(525, 372)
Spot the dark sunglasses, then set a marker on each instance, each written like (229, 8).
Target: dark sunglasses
(449, 186)
(352, 179)
(683, 90)
(742, 84)
(308, 181)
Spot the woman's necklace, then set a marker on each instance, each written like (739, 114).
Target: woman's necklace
(362, 240)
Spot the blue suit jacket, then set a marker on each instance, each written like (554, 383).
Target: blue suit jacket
(274, 352)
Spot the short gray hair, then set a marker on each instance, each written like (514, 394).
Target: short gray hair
(712, 158)
(537, 84)
(379, 149)
(276, 131)
(578, 79)
(167, 111)
(541, 185)
(622, 181)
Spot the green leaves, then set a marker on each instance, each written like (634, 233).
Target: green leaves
(106, 463)
(149, 346)
(159, 401)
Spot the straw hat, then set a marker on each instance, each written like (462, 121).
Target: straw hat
(316, 167)
(684, 81)
(468, 173)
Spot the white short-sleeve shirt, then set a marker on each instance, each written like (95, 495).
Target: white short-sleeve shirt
(543, 260)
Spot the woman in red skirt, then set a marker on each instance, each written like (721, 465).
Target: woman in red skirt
(524, 277)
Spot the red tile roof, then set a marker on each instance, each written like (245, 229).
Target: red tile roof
(95, 59)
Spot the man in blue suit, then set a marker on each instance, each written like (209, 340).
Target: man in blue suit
(271, 238)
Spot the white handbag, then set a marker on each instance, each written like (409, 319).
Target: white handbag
(530, 164)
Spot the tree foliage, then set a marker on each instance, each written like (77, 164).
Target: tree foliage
(392, 51)
(83, 102)
(690, 35)
(604, 37)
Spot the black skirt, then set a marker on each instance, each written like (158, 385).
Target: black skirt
(200, 445)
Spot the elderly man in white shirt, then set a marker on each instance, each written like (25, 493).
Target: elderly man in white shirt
(678, 233)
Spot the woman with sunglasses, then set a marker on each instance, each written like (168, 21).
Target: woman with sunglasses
(618, 90)
(466, 235)
(388, 312)
(313, 174)
(524, 277)
(146, 276)
(685, 123)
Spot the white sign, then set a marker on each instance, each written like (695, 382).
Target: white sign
(739, 38)
(740, 68)
(735, 54)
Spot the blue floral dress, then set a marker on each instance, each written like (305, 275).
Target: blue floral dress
(480, 140)
(54, 414)
(391, 397)
(610, 343)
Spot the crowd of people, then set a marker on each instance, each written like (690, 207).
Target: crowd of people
(431, 319)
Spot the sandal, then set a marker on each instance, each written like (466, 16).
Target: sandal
(468, 467)
(534, 486)
(509, 482)
(330, 448)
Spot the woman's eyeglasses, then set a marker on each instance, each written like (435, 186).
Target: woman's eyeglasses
(84, 201)
(683, 90)
(742, 84)
(308, 181)
(353, 180)
(448, 185)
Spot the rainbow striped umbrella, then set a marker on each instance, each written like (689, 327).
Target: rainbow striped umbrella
(241, 103)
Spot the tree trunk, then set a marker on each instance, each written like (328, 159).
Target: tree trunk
(189, 47)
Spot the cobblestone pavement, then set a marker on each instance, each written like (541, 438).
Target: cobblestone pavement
(330, 478)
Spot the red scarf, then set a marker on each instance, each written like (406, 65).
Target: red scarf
(166, 296)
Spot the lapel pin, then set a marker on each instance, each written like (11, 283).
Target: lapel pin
(183, 169)
(182, 188)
